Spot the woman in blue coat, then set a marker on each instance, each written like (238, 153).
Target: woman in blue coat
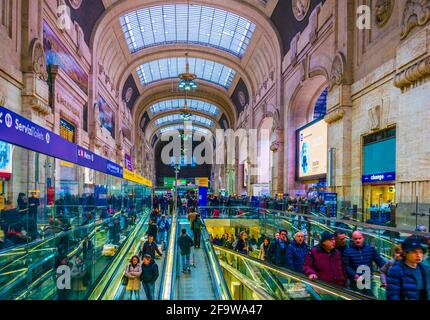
(409, 279)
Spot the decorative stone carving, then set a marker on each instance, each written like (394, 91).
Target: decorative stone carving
(80, 39)
(275, 146)
(383, 11)
(2, 96)
(337, 72)
(242, 98)
(334, 116)
(293, 49)
(38, 60)
(75, 4)
(40, 106)
(313, 22)
(97, 116)
(416, 13)
(375, 118)
(413, 74)
(300, 8)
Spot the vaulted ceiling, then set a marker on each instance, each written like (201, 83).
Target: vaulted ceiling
(142, 44)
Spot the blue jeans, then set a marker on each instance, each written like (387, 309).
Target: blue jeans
(149, 289)
(185, 262)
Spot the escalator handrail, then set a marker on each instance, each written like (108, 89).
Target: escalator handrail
(221, 287)
(349, 294)
(349, 222)
(117, 260)
(223, 293)
(168, 280)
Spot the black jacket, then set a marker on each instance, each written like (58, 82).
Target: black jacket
(150, 248)
(153, 230)
(149, 273)
(185, 243)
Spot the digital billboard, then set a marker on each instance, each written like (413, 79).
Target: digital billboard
(312, 150)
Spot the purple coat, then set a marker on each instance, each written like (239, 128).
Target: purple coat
(327, 266)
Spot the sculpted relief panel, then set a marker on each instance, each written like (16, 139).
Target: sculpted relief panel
(416, 13)
(383, 11)
(300, 8)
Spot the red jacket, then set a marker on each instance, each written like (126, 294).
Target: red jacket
(327, 266)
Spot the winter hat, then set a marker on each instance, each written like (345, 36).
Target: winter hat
(412, 243)
(326, 236)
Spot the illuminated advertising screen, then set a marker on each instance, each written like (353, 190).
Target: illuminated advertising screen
(6, 150)
(312, 150)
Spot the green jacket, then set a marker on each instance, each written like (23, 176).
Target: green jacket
(198, 224)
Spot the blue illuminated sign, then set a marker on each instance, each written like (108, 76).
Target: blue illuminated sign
(379, 177)
(19, 131)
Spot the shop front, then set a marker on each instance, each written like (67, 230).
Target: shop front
(379, 176)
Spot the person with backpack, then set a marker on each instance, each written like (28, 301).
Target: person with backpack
(408, 278)
(132, 273)
(149, 276)
(185, 243)
(197, 231)
(150, 247)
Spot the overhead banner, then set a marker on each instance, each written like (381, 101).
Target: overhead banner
(89, 159)
(114, 169)
(128, 162)
(202, 182)
(312, 150)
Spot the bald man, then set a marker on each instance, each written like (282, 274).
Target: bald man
(357, 255)
(296, 253)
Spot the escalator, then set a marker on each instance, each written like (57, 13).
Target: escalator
(32, 276)
(252, 279)
(205, 282)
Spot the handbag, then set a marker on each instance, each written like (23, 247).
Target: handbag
(124, 280)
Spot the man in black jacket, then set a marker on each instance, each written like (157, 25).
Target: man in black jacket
(150, 247)
(149, 276)
(185, 243)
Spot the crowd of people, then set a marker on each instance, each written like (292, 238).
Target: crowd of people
(333, 260)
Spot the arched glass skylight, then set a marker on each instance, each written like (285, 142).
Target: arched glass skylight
(169, 68)
(178, 118)
(180, 127)
(173, 104)
(167, 24)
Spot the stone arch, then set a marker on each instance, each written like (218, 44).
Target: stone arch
(299, 113)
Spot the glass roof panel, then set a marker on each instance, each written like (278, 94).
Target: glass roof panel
(198, 105)
(167, 24)
(181, 127)
(169, 68)
(178, 118)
